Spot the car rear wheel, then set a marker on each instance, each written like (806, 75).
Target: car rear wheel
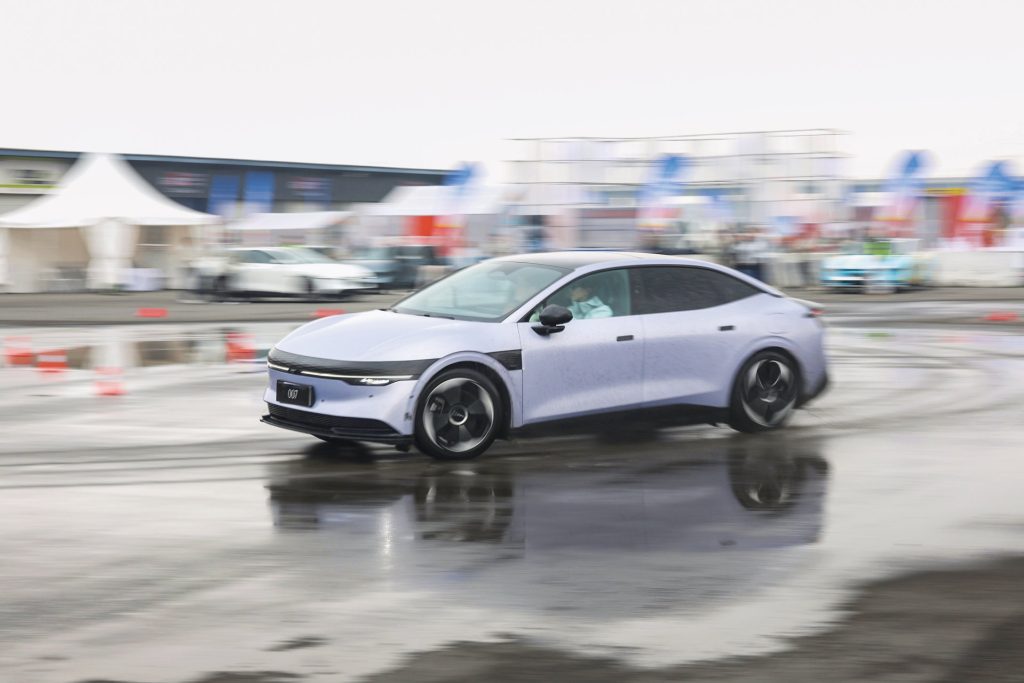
(764, 393)
(458, 415)
(221, 288)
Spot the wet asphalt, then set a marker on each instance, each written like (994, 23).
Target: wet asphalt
(165, 536)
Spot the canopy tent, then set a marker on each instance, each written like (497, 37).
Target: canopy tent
(309, 227)
(309, 220)
(439, 200)
(105, 201)
(436, 213)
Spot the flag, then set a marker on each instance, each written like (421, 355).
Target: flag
(904, 187)
(458, 187)
(994, 186)
(665, 180)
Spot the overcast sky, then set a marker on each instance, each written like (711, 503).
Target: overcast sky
(427, 83)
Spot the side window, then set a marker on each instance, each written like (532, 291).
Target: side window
(730, 288)
(257, 256)
(606, 294)
(687, 288)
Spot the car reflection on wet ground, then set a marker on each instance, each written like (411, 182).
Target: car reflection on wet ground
(164, 535)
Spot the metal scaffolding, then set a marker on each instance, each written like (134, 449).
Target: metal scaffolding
(763, 174)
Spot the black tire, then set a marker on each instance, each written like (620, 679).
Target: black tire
(309, 287)
(458, 415)
(221, 289)
(764, 393)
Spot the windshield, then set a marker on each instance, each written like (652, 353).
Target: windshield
(300, 255)
(282, 256)
(373, 254)
(488, 291)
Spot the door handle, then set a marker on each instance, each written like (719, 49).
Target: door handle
(625, 337)
(726, 328)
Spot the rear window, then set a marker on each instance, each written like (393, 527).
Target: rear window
(669, 289)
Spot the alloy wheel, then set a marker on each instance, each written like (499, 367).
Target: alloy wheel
(458, 415)
(768, 392)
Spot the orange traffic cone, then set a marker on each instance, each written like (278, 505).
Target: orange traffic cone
(239, 348)
(327, 312)
(53, 361)
(108, 382)
(18, 351)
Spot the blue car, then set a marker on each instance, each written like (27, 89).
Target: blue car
(551, 342)
(881, 265)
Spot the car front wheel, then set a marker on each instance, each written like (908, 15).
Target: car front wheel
(765, 393)
(458, 415)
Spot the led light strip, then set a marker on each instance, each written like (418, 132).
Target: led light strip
(331, 375)
(390, 378)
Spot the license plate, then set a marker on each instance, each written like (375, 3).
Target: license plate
(296, 394)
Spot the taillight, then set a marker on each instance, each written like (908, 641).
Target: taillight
(814, 310)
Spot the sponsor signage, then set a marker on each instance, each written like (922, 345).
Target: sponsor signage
(184, 183)
(307, 188)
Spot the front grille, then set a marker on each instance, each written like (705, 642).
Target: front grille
(351, 426)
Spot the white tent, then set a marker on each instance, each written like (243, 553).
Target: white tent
(440, 200)
(304, 227)
(307, 220)
(103, 200)
(479, 206)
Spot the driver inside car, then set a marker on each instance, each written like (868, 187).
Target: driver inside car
(585, 304)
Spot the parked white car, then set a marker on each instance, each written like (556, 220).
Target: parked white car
(284, 271)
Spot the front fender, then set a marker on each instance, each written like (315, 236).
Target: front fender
(511, 379)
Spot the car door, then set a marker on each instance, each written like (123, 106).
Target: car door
(252, 271)
(595, 363)
(695, 325)
(283, 274)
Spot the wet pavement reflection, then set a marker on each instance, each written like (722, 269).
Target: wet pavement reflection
(750, 494)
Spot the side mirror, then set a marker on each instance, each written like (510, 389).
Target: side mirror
(552, 319)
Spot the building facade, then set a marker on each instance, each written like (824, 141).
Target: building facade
(227, 187)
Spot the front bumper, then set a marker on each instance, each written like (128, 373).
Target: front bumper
(325, 286)
(331, 426)
(847, 279)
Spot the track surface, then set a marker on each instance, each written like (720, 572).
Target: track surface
(166, 536)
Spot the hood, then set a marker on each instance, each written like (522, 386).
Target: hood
(333, 270)
(384, 335)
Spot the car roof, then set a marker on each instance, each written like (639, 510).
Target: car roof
(588, 259)
(572, 260)
(271, 249)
